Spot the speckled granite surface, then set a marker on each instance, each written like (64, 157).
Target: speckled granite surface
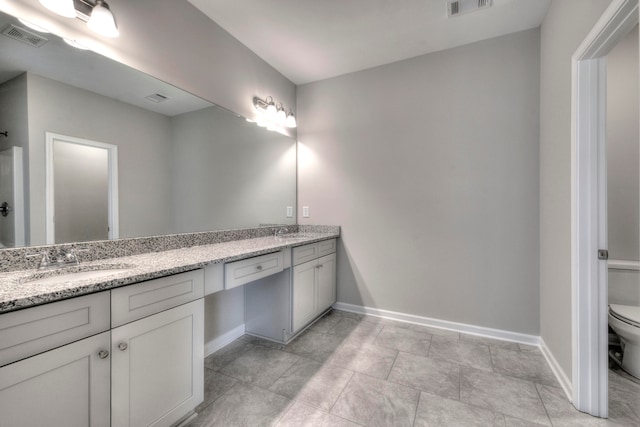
(17, 289)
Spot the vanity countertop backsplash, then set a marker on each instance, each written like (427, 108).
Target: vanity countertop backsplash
(127, 261)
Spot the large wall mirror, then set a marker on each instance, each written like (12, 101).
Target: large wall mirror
(181, 163)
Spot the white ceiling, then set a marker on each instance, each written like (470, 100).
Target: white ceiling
(310, 40)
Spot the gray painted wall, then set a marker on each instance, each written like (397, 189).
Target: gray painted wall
(623, 142)
(144, 152)
(430, 165)
(13, 112)
(229, 173)
(565, 26)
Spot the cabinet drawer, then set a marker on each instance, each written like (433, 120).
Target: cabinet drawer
(306, 253)
(34, 330)
(247, 270)
(326, 247)
(302, 254)
(133, 302)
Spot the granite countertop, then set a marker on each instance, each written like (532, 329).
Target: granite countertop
(17, 291)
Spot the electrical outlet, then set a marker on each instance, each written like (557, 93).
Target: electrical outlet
(289, 211)
(305, 211)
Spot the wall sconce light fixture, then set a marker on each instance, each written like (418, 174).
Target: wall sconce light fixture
(98, 16)
(272, 114)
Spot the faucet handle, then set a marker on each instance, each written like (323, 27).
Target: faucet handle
(72, 255)
(45, 261)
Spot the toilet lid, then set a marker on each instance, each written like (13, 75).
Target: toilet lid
(628, 313)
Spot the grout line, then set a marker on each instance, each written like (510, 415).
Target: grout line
(353, 374)
(493, 366)
(415, 414)
(542, 401)
(392, 365)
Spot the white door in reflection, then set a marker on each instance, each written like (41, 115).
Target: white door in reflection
(81, 190)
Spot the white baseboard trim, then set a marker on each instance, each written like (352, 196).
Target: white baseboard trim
(224, 339)
(562, 377)
(441, 324)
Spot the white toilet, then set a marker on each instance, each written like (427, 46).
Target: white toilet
(625, 321)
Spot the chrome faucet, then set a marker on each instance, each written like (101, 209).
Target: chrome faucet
(45, 261)
(280, 231)
(64, 259)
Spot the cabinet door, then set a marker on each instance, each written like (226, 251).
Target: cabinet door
(326, 278)
(67, 386)
(158, 367)
(304, 307)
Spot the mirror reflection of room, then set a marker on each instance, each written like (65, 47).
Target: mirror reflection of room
(178, 155)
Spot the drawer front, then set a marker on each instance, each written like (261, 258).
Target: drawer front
(31, 331)
(133, 302)
(302, 254)
(247, 270)
(326, 247)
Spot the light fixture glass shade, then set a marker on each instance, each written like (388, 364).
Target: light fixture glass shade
(290, 122)
(61, 7)
(281, 116)
(271, 109)
(102, 20)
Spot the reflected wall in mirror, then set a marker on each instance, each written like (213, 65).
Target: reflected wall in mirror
(184, 164)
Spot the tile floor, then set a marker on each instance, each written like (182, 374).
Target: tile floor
(354, 370)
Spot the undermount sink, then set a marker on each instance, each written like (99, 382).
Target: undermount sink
(292, 236)
(69, 274)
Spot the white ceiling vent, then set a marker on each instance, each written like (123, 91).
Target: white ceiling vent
(459, 7)
(24, 36)
(157, 98)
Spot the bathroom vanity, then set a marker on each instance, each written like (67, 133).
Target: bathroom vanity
(127, 349)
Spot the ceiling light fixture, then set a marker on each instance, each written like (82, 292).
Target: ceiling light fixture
(61, 7)
(102, 20)
(272, 115)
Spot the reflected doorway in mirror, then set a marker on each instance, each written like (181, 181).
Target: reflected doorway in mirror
(81, 189)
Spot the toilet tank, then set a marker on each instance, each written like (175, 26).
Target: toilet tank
(624, 282)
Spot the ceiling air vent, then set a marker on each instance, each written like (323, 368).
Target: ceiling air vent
(157, 98)
(24, 36)
(459, 7)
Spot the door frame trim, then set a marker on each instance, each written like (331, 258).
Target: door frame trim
(589, 208)
(112, 193)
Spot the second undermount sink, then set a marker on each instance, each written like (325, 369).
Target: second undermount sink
(89, 272)
(292, 236)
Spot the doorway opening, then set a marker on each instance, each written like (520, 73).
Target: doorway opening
(81, 190)
(589, 207)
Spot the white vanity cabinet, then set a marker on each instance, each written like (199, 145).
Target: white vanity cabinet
(314, 289)
(55, 364)
(157, 361)
(132, 356)
(68, 386)
(279, 306)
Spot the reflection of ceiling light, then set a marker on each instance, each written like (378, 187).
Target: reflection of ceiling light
(61, 7)
(102, 20)
(75, 44)
(273, 115)
(33, 26)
